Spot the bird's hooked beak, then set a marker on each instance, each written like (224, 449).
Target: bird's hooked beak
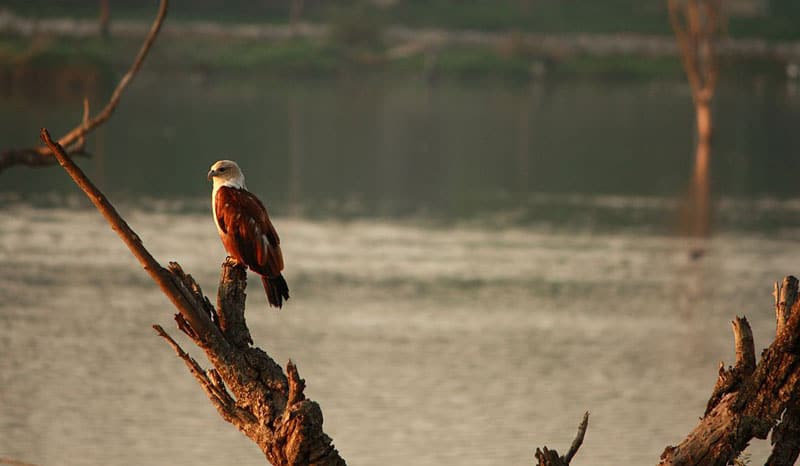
(211, 174)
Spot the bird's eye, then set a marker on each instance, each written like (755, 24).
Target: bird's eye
(221, 169)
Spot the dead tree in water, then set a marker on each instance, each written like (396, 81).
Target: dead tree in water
(105, 19)
(697, 24)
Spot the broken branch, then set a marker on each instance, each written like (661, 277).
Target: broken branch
(198, 320)
(74, 140)
(547, 457)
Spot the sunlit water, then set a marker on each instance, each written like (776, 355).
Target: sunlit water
(425, 344)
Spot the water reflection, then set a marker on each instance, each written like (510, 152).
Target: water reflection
(394, 148)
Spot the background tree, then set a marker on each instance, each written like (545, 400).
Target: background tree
(697, 25)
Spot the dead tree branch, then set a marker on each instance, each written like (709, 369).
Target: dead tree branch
(74, 140)
(749, 400)
(696, 24)
(247, 387)
(547, 457)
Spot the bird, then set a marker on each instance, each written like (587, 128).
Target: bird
(245, 229)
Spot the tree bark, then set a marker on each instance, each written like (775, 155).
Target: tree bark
(749, 400)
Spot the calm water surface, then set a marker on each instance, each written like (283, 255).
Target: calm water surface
(472, 267)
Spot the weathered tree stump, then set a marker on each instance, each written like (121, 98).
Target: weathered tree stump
(267, 406)
(749, 400)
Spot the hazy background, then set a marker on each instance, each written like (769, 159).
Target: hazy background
(480, 244)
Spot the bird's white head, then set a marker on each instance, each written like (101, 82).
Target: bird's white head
(226, 173)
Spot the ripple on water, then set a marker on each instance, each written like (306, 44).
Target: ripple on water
(424, 344)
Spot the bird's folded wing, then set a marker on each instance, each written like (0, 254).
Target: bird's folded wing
(247, 230)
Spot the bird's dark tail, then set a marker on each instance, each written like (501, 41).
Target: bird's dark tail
(277, 290)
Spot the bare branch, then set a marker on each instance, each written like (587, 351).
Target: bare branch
(263, 403)
(682, 32)
(108, 110)
(81, 144)
(199, 321)
(547, 457)
(73, 141)
(578, 438)
(211, 384)
(696, 25)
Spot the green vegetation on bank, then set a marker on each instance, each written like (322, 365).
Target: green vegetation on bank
(771, 19)
(310, 59)
(355, 42)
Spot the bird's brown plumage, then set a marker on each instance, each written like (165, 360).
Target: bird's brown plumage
(249, 237)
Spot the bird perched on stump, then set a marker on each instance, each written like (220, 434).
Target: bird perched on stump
(245, 229)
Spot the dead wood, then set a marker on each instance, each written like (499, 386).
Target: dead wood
(697, 25)
(74, 140)
(247, 387)
(547, 457)
(786, 435)
(749, 400)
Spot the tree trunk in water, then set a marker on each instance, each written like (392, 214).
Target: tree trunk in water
(701, 191)
(105, 19)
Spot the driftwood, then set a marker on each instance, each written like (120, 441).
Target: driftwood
(749, 400)
(247, 387)
(74, 141)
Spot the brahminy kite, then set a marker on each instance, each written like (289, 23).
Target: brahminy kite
(245, 229)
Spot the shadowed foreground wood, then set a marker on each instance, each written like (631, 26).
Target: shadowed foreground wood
(749, 400)
(247, 387)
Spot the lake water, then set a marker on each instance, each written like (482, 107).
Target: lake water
(472, 266)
